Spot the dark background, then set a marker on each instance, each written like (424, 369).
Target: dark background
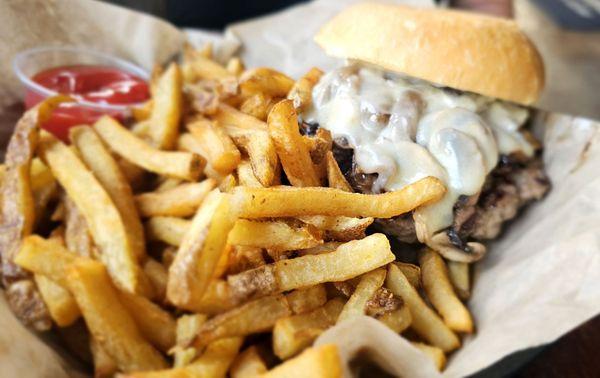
(574, 355)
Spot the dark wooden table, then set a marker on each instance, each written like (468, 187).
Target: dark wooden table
(573, 355)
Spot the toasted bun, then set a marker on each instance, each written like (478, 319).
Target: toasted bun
(486, 55)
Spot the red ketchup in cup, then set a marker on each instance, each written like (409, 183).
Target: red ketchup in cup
(99, 84)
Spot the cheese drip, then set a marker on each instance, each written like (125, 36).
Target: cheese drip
(404, 129)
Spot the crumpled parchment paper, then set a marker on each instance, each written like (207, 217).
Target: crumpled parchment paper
(538, 281)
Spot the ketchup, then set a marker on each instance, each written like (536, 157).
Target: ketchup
(102, 85)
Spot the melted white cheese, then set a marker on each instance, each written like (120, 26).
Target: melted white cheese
(404, 129)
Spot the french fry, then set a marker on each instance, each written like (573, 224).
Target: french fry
(307, 299)
(275, 235)
(294, 333)
(339, 228)
(397, 320)
(246, 175)
(335, 177)
(235, 66)
(320, 249)
(167, 183)
(347, 261)
(216, 146)
(107, 319)
(77, 233)
(294, 202)
(184, 165)
(411, 272)
(187, 329)
(291, 149)
(167, 229)
(425, 321)
(436, 354)
(200, 251)
(227, 183)
(17, 209)
(157, 274)
(245, 258)
(61, 304)
(252, 135)
(248, 364)
(214, 362)
(181, 201)
(252, 317)
(102, 217)
(104, 365)
(99, 160)
(201, 67)
(167, 102)
(43, 187)
(155, 324)
(440, 292)
(143, 112)
(47, 257)
(265, 80)
(323, 361)
(367, 286)
(216, 300)
(459, 276)
(258, 105)
(301, 92)
(135, 175)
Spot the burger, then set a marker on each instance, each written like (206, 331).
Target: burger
(431, 92)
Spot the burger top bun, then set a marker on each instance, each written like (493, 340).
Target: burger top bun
(466, 51)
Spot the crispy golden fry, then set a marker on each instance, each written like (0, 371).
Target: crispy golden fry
(411, 272)
(293, 202)
(181, 201)
(251, 135)
(77, 233)
(235, 66)
(291, 149)
(244, 258)
(184, 165)
(216, 146)
(17, 209)
(294, 333)
(47, 257)
(459, 276)
(425, 321)
(143, 112)
(217, 299)
(323, 362)
(320, 249)
(187, 329)
(246, 176)
(61, 304)
(187, 142)
(167, 103)
(43, 187)
(106, 170)
(227, 183)
(258, 105)
(440, 292)
(436, 354)
(397, 320)
(349, 260)
(167, 229)
(157, 274)
(248, 364)
(339, 228)
(167, 183)
(307, 299)
(200, 251)
(104, 365)
(301, 92)
(103, 218)
(367, 286)
(107, 319)
(275, 235)
(201, 67)
(335, 177)
(265, 80)
(214, 362)
(155, 324)
(253, 317)
(319, 145)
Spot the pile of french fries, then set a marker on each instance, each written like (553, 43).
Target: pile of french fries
(210, 237)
